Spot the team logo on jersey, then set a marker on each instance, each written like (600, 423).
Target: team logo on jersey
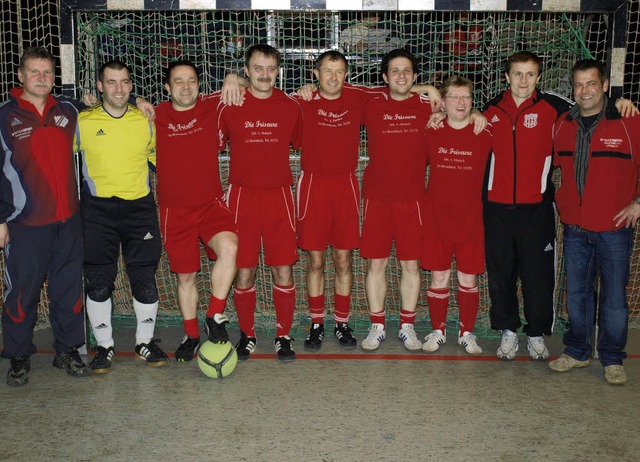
(531, 120)
(611, 143)
(61, 121)
(15, 122)
(100, 133)
(495, 119)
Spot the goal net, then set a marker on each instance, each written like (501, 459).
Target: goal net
(472, 44)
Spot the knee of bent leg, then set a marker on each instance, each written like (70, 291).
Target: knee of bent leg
(143, 283)
(227, 249)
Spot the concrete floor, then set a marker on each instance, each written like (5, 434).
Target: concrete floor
(391, 405)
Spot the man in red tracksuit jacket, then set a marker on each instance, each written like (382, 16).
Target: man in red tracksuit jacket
(518, 212)
(39, 221)
(598, 153)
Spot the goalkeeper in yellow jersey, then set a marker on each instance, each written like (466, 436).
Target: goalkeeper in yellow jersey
(117, 145)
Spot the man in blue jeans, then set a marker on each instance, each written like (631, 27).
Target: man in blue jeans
(598, 153)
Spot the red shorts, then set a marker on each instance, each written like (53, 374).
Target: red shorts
(184, 228)
(328, 211)
(437, 256)
(264, 216)
(387, 222)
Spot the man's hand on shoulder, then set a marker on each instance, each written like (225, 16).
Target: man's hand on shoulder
(479, 121)
(626, 108)
(436, 120)
(233, 90)
(146, 108)
(305, 92)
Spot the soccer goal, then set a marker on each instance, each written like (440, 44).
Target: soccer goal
(473, 42)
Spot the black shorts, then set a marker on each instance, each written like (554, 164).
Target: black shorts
(108, 223)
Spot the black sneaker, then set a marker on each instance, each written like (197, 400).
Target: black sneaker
(18, 373)
(187, 349)
(71, 362)
(245, 346)
(215, 328)
(314, 340)
(101, 362)
(152, 353)
(344, 335)
(283, 348)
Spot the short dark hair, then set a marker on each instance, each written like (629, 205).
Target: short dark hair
(36, 53)
(113, 64)
(523, 57)
(173, 65)
(264, 49)
(398, 53)
(331, 55)
(456, 81)
(586, 64)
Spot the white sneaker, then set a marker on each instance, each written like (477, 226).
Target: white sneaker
(508, 346)
(537, 348)
(409, 337)
(433, 341)
(375, 336)
(470, 343)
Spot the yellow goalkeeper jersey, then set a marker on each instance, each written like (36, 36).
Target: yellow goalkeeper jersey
(116, 152)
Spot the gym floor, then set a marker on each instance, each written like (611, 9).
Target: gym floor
(389, 405)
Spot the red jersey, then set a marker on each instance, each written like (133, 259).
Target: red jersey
(453, 207)
(260, 133)
(332, 130)
(187, 148)
(397, 159)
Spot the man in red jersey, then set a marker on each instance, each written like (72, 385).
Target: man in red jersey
(457, 156)
(328, 194)
(192, 207)
(393, 188)
(259, 195)
(519, 217)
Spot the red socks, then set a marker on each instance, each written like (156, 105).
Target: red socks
(245, 301)
(468, 302)
(438, 300)
(316, 308)
(284, 301)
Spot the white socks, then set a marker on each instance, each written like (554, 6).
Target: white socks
(100, 319)
(146, 317)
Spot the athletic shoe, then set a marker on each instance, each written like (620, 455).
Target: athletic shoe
(375, 336)
(470, 343)
(409, 337)
(537, 348)
(245, 346)
(314, 339)
(508, 345)
(152, 353)
(344, 334)
(18, 373)
(187, 349)
(215, 328)
(565, 363)
(615, 374)
(433, 341)
(71, 362)
(102, 361)
(283, 348)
